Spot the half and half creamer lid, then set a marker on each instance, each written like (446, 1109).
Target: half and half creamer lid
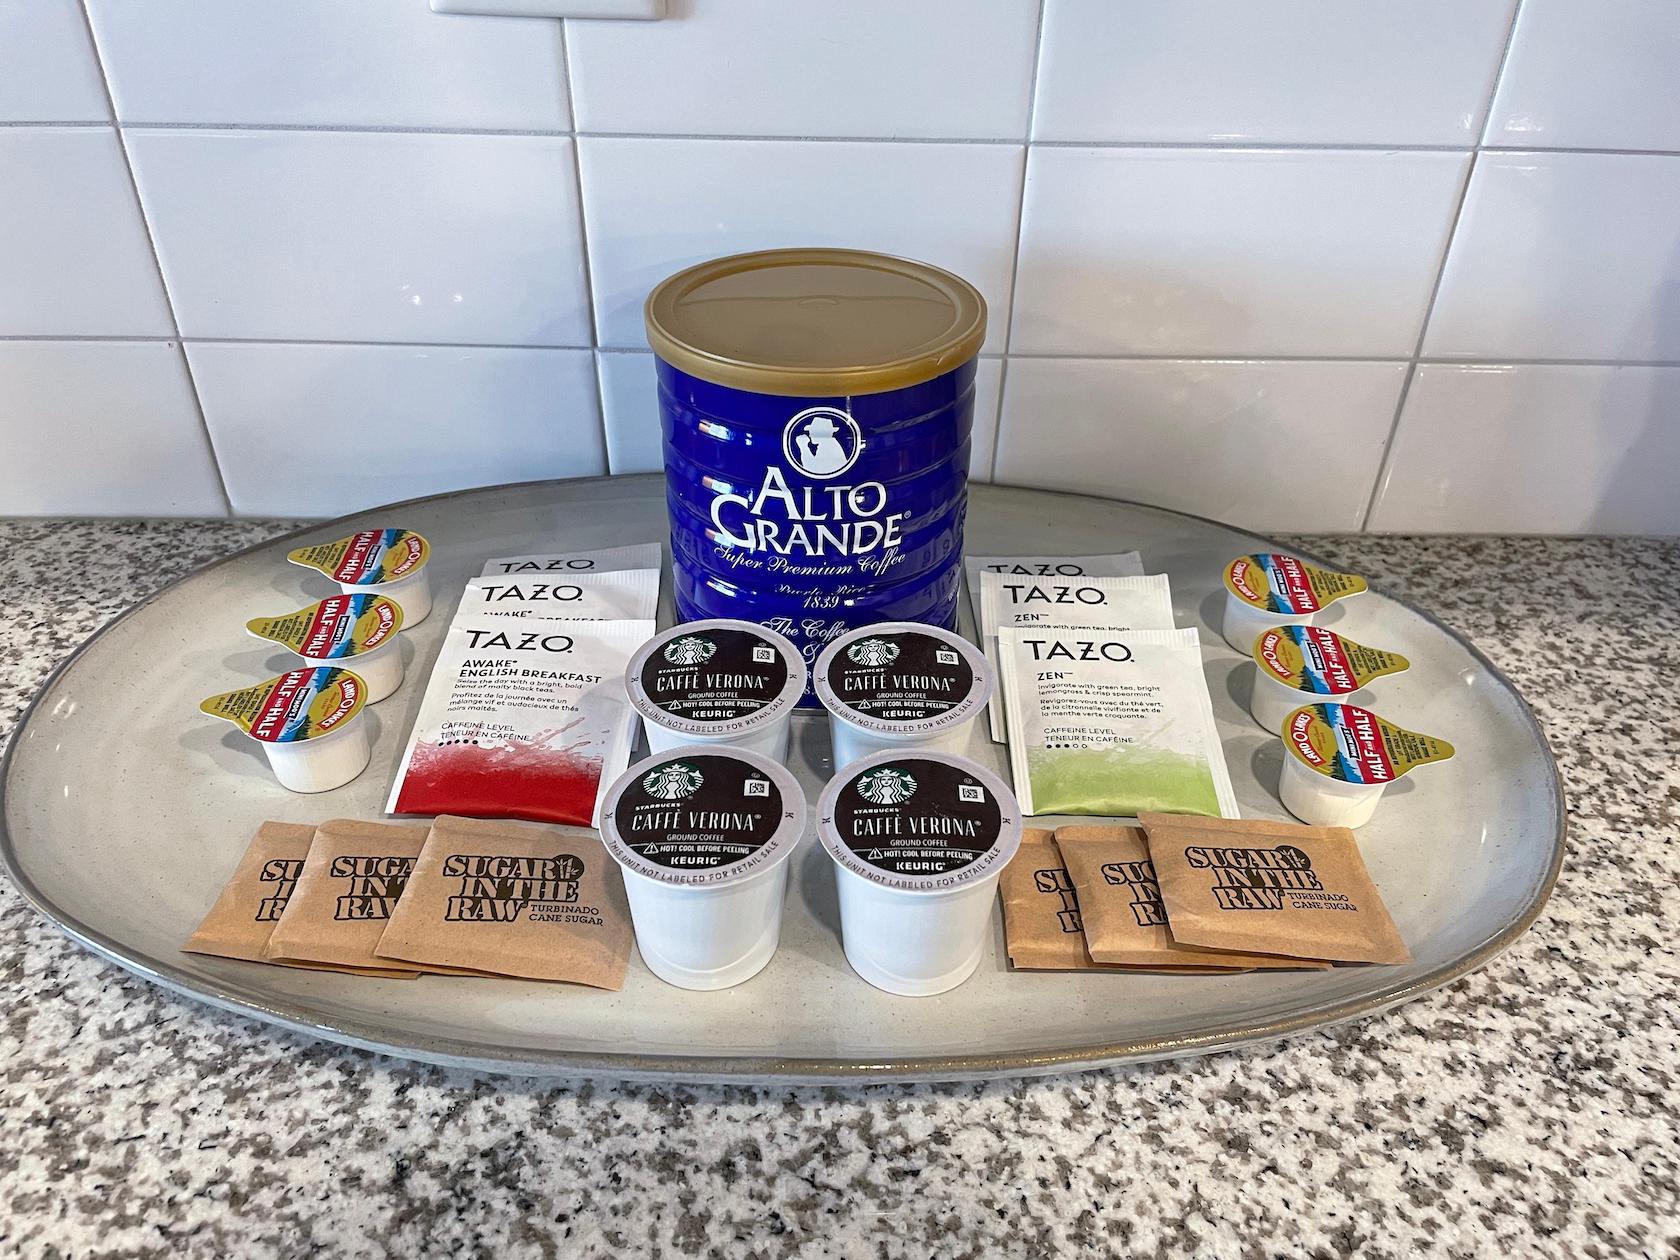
(367, 557)
(815, 323)
(298, 705)
(336, 627)
(1321, 662)
(1277, 583)
(902, 678)
(1354, 745)
(703, 815)
(715, 679)
(919, 821)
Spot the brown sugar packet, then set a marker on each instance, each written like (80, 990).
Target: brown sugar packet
(1120, 902)
(351, 880)
(514, 899)
(1041, 920)
(243, 918)
(1275, 886)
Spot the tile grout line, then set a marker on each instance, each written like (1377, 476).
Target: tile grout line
(588, 260)
(1385, 464)
(157, 259)
(1020, 231)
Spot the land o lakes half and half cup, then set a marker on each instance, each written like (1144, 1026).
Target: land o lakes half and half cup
(354, 630)
(1296, 665)
(1124, 918)
(919, 840)
(308, 722)
(1272, 887)
(898, 685)
(718, 681)
(703, 834)
(1267, 589)
(1338, 759)
(389, 562)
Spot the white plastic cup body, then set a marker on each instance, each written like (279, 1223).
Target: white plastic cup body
(1321, 801)
(1270, 702)
(699, 937)
(323, 763)
(914, 943)
(381, 669)
(851, 743)
(1244, 623)
(771, 739)
(413, 594)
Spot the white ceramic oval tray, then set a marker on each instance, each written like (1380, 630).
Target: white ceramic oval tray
(125, 810)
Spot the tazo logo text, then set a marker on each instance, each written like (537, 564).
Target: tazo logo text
(1255, 879)
(494, 889)
(1110, 650)
(374, 885)
(515, 641)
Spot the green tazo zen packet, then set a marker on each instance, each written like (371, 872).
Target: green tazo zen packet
(1112, 722)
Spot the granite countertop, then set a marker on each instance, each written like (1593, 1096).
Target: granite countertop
(1529, 1109)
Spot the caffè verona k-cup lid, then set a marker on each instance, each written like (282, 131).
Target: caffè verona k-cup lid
(715, 679)
(902, 679)
(919, 821)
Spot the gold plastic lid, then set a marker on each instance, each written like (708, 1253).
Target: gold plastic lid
(815, 323)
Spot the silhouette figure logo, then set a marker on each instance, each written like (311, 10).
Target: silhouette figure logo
(822, 442)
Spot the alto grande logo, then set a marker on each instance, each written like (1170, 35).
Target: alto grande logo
(873, 652)
(673, 781)
(690, 650)
(887, 786)
(822, 442)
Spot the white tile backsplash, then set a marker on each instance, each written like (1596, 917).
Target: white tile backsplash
(48, 72)
(102, 428)
(1599, 75)
(335, 236)
(1230, 252)
(630, 403)
(1212, 235)
(1536, 448)
(324, 430)
(946, 69)
(74, 259)
(1564, 256)
(1288, 71)
(656, 206)
(366, 63)
(1226, 439)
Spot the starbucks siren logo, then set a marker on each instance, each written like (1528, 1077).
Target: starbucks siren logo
(690, 650)
(873, 652)
(887, 786)
(672, 781)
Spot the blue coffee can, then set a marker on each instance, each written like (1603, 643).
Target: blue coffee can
(816, 408)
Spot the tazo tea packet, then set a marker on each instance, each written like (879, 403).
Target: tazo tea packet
(1120, 564)
(521, 719)
(628, 593)
(1120, 905)
(606, 560)
(1060, 603)
(1112, 722)
(350, 881)
(513, 899)
(1272, 887)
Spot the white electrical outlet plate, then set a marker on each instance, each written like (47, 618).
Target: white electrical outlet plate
(643, 10)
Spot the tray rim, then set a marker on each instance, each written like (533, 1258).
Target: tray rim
(457, 1052)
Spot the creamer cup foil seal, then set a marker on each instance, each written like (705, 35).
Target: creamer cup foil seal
(1321, 662)
(903, 679)
(703, 816)
(337, 627)
(300, 704)
(1354, 745)
(919, 821)
(369, 557)
(1276, 583)
(717, 678)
